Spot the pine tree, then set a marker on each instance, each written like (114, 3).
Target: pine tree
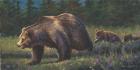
(30, 12)
(7, 16)
(43, 8)
(48, 7)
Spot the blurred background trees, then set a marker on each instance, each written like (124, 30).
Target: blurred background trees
(14, 14)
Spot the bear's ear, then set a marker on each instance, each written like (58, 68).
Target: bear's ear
(101, 30)
(96, 30)
(23, 28)
(30, 33)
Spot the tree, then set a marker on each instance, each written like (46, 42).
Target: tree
(31, 13)
(48, 7)
(8, 16)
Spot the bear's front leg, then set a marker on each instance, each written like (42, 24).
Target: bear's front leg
(37, 53)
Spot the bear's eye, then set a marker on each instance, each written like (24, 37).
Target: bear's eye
(23, 38)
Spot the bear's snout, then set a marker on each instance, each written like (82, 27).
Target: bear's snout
(18, 45)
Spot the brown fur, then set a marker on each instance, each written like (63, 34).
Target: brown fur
(131, 37)
(102, 35)
(63, 32)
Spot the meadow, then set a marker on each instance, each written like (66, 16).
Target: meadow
(105, 55)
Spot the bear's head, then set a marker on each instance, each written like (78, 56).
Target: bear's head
(99, 34)
(25, 39)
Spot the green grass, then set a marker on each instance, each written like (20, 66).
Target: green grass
(105, 56)
(8, 44)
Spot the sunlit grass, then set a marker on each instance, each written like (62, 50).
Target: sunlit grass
(8, 44)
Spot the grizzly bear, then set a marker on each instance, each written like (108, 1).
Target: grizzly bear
(109, 36)
(131, 37)
(63, 32)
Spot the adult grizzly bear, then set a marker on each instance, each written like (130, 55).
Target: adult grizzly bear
(63, 32)
(109, 36)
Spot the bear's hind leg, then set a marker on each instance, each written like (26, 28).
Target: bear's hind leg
(64, 54)
(37, 53)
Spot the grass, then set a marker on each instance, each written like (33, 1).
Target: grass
(8, 44)
(105, 56)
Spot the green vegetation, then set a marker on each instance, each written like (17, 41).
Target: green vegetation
(15, 13)
(105, 56)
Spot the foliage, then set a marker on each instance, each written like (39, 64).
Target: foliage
(13, 16)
